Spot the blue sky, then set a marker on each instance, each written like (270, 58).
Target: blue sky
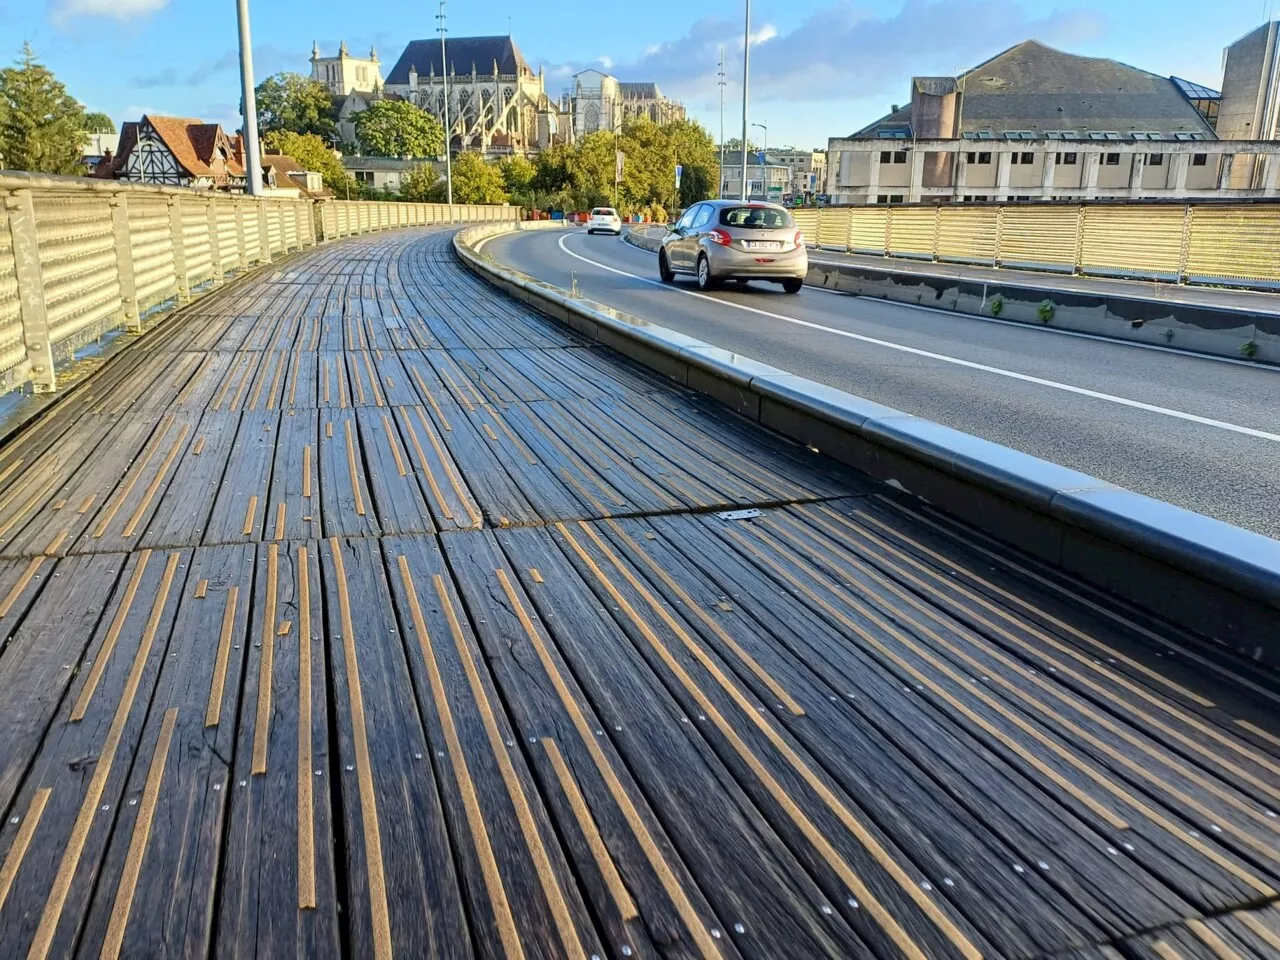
(820, 67)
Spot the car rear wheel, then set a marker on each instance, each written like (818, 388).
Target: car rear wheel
(705, 280)
(792, 285)
(664, 268)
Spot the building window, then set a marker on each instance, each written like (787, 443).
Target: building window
(885, 156)
(1019, 135)
(882, 198)
(979, 158)
(1068, 159)
(364, 176)
(900, 156)
(1155, 159)
(1062, 135)
(1112, 159)
(892, 134)
(1146, 135)
(1104, 135)
(895, 198)
(978, 135)
(1199, 159)
(1190, 136)
(1028, 158)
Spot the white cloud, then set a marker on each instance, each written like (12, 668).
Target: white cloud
(605, 62)
(763, 35)
(63, 10)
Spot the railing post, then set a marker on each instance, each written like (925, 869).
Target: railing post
(242, 246)
(1077, 264)
(264, 232)
(26, 262)
(1185, 252)
(996, 260)
(124, 262)
(178, 243)
(215, 241)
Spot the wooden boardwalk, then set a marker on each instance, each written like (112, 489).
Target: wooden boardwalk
(362, 612)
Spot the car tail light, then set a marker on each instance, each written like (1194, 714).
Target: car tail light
(799, 241)
(720, 237)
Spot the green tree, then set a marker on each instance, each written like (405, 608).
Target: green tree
(314, 154)
(290, 101)
(696, 152)
(41, 125)
(422, 184)
(397, 128)
(98, 123)
(475, 181)
(518, 174)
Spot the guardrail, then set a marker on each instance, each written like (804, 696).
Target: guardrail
(1185, 243)
(80, 257)
(1216, 579)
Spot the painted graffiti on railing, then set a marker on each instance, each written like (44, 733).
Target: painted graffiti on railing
(80, 258)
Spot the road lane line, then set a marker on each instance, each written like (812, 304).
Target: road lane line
(970, 364)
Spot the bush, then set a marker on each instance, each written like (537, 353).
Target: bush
(997, 305)
(1249, 349)
(1045, 311)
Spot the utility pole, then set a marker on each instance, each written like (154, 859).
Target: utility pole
(249, 105)
(746, 85)
(448, 134)
(720, 186)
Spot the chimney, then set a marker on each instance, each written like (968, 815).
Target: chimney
(894, 108)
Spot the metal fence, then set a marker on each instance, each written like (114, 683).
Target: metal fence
(1237, 244)
(80, 258)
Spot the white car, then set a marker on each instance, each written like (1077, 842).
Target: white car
(605, 220)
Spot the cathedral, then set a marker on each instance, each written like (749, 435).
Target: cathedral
(602, 102)
(497, 103)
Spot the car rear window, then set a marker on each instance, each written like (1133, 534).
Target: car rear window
(756, 218)
(603, 212)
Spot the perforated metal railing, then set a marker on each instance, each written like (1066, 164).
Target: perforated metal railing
(80, 258)
(1191, 243)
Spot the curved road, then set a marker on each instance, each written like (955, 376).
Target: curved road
(1200, 432)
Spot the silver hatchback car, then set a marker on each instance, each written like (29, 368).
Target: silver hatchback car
(720, 240)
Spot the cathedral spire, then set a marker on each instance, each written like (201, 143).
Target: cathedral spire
(342, 48)
(315, 50)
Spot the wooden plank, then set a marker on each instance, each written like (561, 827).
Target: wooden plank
(293, 507)
(1104, 880)
(242, 498)
(280, 889)
(155, 890)
(839, 844)
(439, 478)
(397, 499)
(695, 868)
(334, 389)
(184, 506)
(347, 508)
(40, 657)
(99, 726)
(402, 888)
(75, 486)
(528, 900)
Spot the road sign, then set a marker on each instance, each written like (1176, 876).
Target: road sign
(619, 161)
(679, 170)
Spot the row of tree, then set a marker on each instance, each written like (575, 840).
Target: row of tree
(42, 127)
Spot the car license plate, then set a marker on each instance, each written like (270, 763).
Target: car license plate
(762, 244)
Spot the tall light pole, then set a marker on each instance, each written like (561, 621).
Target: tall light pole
(720, 186)
(448, 134)
(249, 104)
(746, 84)
(764, 159)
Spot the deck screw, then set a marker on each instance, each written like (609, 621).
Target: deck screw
(853, 904)
(739, 928)
(826, 908)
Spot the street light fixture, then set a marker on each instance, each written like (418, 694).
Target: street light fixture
(248, 104)
(764, 159)
(444, 73)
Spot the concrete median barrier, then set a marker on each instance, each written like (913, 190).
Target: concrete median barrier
(1215, 579)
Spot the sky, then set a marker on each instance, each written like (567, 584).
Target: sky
(819, 68)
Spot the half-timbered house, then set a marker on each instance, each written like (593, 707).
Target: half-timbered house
(177, 152)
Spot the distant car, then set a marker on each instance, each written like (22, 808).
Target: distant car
(605, 220)
(720, 240)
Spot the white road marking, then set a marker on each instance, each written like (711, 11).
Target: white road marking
(957, 361)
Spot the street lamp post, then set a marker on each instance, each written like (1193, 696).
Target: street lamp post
(764, 159)
(444, 73)
(746, 84)
(249, 104)
(721, 185)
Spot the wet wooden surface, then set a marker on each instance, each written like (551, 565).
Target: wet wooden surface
(363, 612)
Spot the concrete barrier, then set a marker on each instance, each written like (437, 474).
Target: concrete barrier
(1217, 331)
(1213, 578)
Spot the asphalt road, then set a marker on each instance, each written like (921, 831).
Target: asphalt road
(1200, 432)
